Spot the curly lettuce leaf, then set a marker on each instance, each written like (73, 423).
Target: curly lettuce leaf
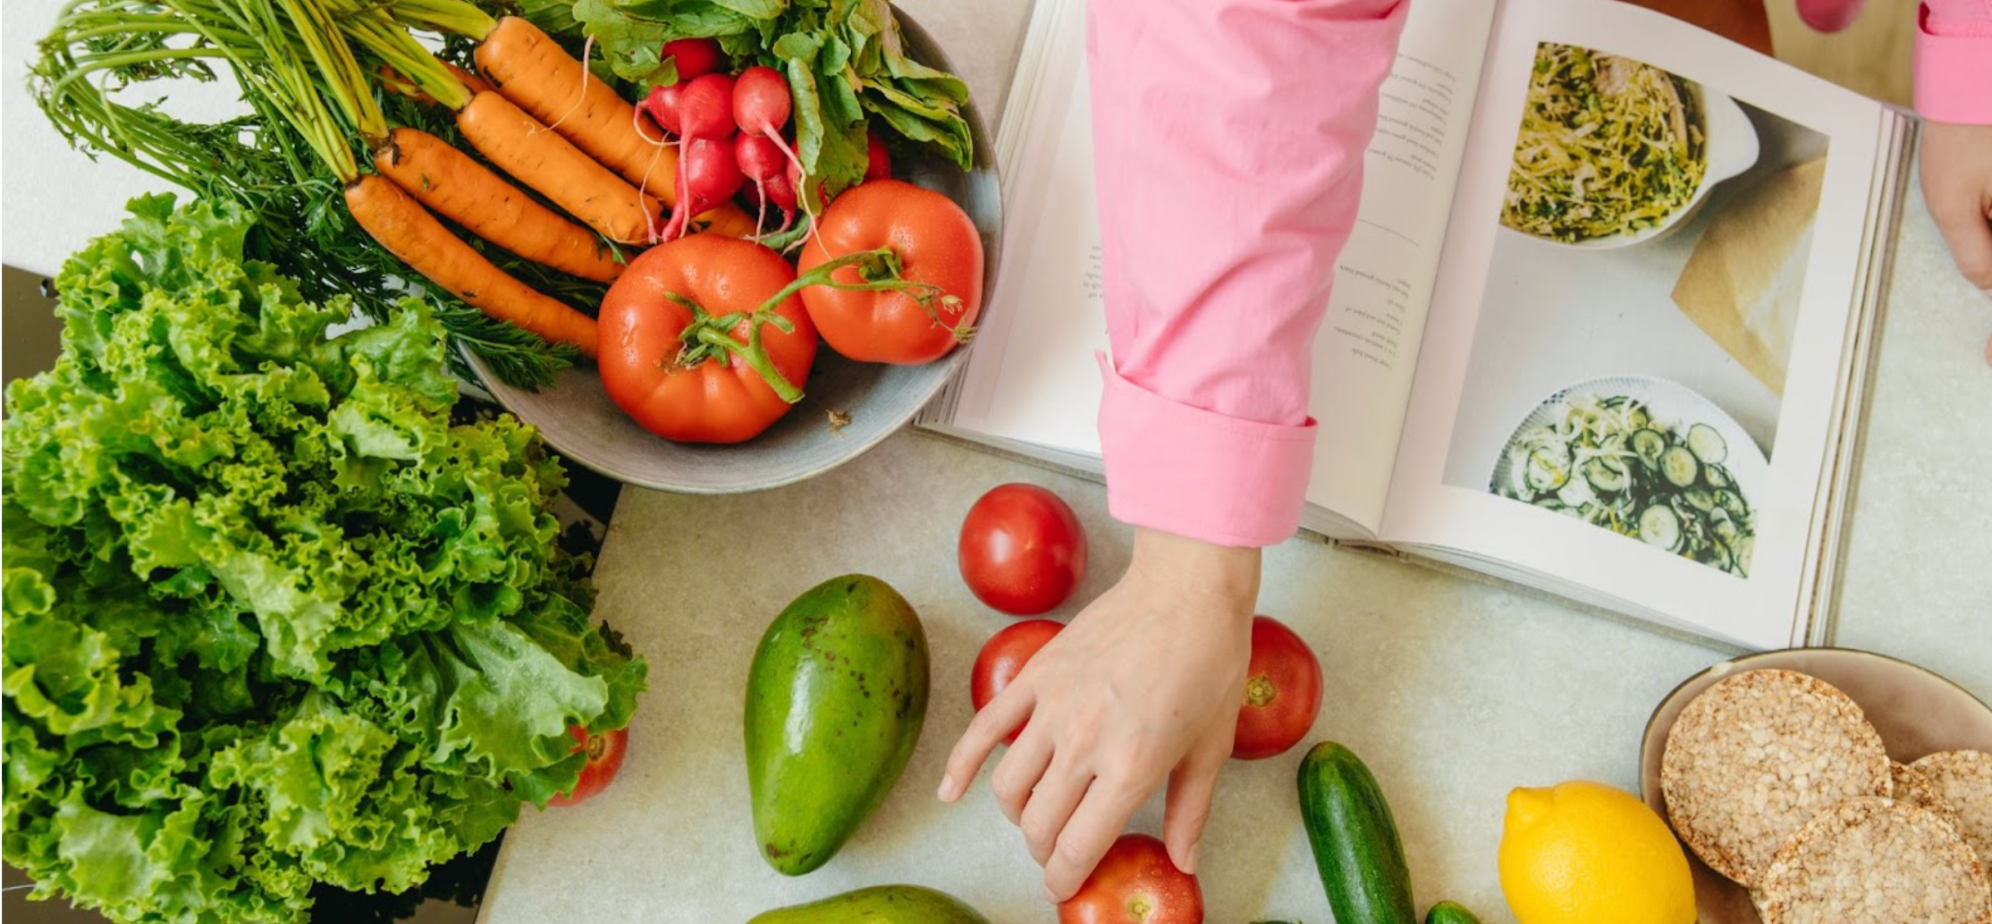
(271, 620)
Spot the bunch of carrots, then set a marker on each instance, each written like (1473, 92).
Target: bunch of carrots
(531, 110)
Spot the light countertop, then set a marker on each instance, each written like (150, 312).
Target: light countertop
(1452, 691)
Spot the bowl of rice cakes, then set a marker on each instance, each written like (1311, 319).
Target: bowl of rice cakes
(1826, 785)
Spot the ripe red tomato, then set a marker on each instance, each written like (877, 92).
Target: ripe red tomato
(605, 757)
(1003, 658)
(1022, 551)
(1135, 883)
(937, 245)
(644, 360)
(1282, 692)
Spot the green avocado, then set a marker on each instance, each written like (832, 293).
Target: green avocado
(835, 700)
(887, 904)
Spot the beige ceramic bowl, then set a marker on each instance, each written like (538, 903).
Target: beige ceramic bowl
(1915, 711)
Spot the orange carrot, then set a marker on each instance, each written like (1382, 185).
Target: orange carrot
(475, 83)
(531, 69)
(727, 221)
(409, 232)
(395, 81)
(519, 145)
(460, 189)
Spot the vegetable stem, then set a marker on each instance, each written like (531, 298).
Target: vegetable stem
(711, 337)
(881, 271)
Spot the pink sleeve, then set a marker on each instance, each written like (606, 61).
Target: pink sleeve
(1228, 145)
(1954, 61)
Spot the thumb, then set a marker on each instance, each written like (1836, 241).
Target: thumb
(1191, 786)
(1957, 188)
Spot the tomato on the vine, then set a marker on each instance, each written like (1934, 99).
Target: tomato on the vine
(1003, 657)
(936, 248)
(1282, 692)
(694, 345)
(1135, 883)
(605, 757)
(1022, 550)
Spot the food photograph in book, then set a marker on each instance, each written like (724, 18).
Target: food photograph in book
(1628, 365)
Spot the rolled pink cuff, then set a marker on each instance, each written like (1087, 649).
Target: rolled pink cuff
(1953, 74)
(1197, 473)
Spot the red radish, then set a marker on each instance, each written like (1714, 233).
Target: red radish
(760, 159)
(761, 105)
(781, 191)
(696, 57)
(878, 164)
(712, 174)
(706, 109)
(761, 101)
(776, 191)
(662, 106)
(705, 113)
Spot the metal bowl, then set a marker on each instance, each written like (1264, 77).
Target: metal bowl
(577, 418)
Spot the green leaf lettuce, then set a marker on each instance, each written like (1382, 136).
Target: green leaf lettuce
(271, 618)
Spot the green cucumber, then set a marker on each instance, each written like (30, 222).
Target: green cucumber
(1450, 913)
(1356, 847)
(1707, 445)
(1680, 466)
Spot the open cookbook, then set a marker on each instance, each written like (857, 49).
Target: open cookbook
(1603, 328)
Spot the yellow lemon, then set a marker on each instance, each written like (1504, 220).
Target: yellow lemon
(1586, 853)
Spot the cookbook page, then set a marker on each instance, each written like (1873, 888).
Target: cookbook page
(1032, 377)
(1629, 377)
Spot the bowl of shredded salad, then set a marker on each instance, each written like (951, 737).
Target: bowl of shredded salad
(1613, 151)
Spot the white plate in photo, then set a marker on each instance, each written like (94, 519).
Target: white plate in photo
(1730, 146)
(1672, 408)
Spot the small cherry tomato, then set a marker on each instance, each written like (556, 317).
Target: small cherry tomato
(605, 757)
(1135, 883)
(1022, 551)
(1282, 692)
(1003, 657)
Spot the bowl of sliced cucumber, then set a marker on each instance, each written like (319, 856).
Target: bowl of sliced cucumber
(1646, 458)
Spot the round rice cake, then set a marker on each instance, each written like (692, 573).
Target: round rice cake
(1963, 780)
(1870, 860)
(1920, 790)
(1757, 755)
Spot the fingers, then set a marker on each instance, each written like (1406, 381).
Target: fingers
(1019, 772)
(1191, 788)
(1968, 231)
(1955, 189)
(990, 726)
(1100, 818)
(1050, 807)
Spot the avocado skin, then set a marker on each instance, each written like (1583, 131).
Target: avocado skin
(886, 904)
(836, 698)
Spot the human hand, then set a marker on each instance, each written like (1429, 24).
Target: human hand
(1957, 185)
(1143, 686)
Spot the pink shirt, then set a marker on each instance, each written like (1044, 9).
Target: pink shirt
(1228, 148)
(1954, 61)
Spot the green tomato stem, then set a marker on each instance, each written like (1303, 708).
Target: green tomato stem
(710, 337)
(881, 271)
